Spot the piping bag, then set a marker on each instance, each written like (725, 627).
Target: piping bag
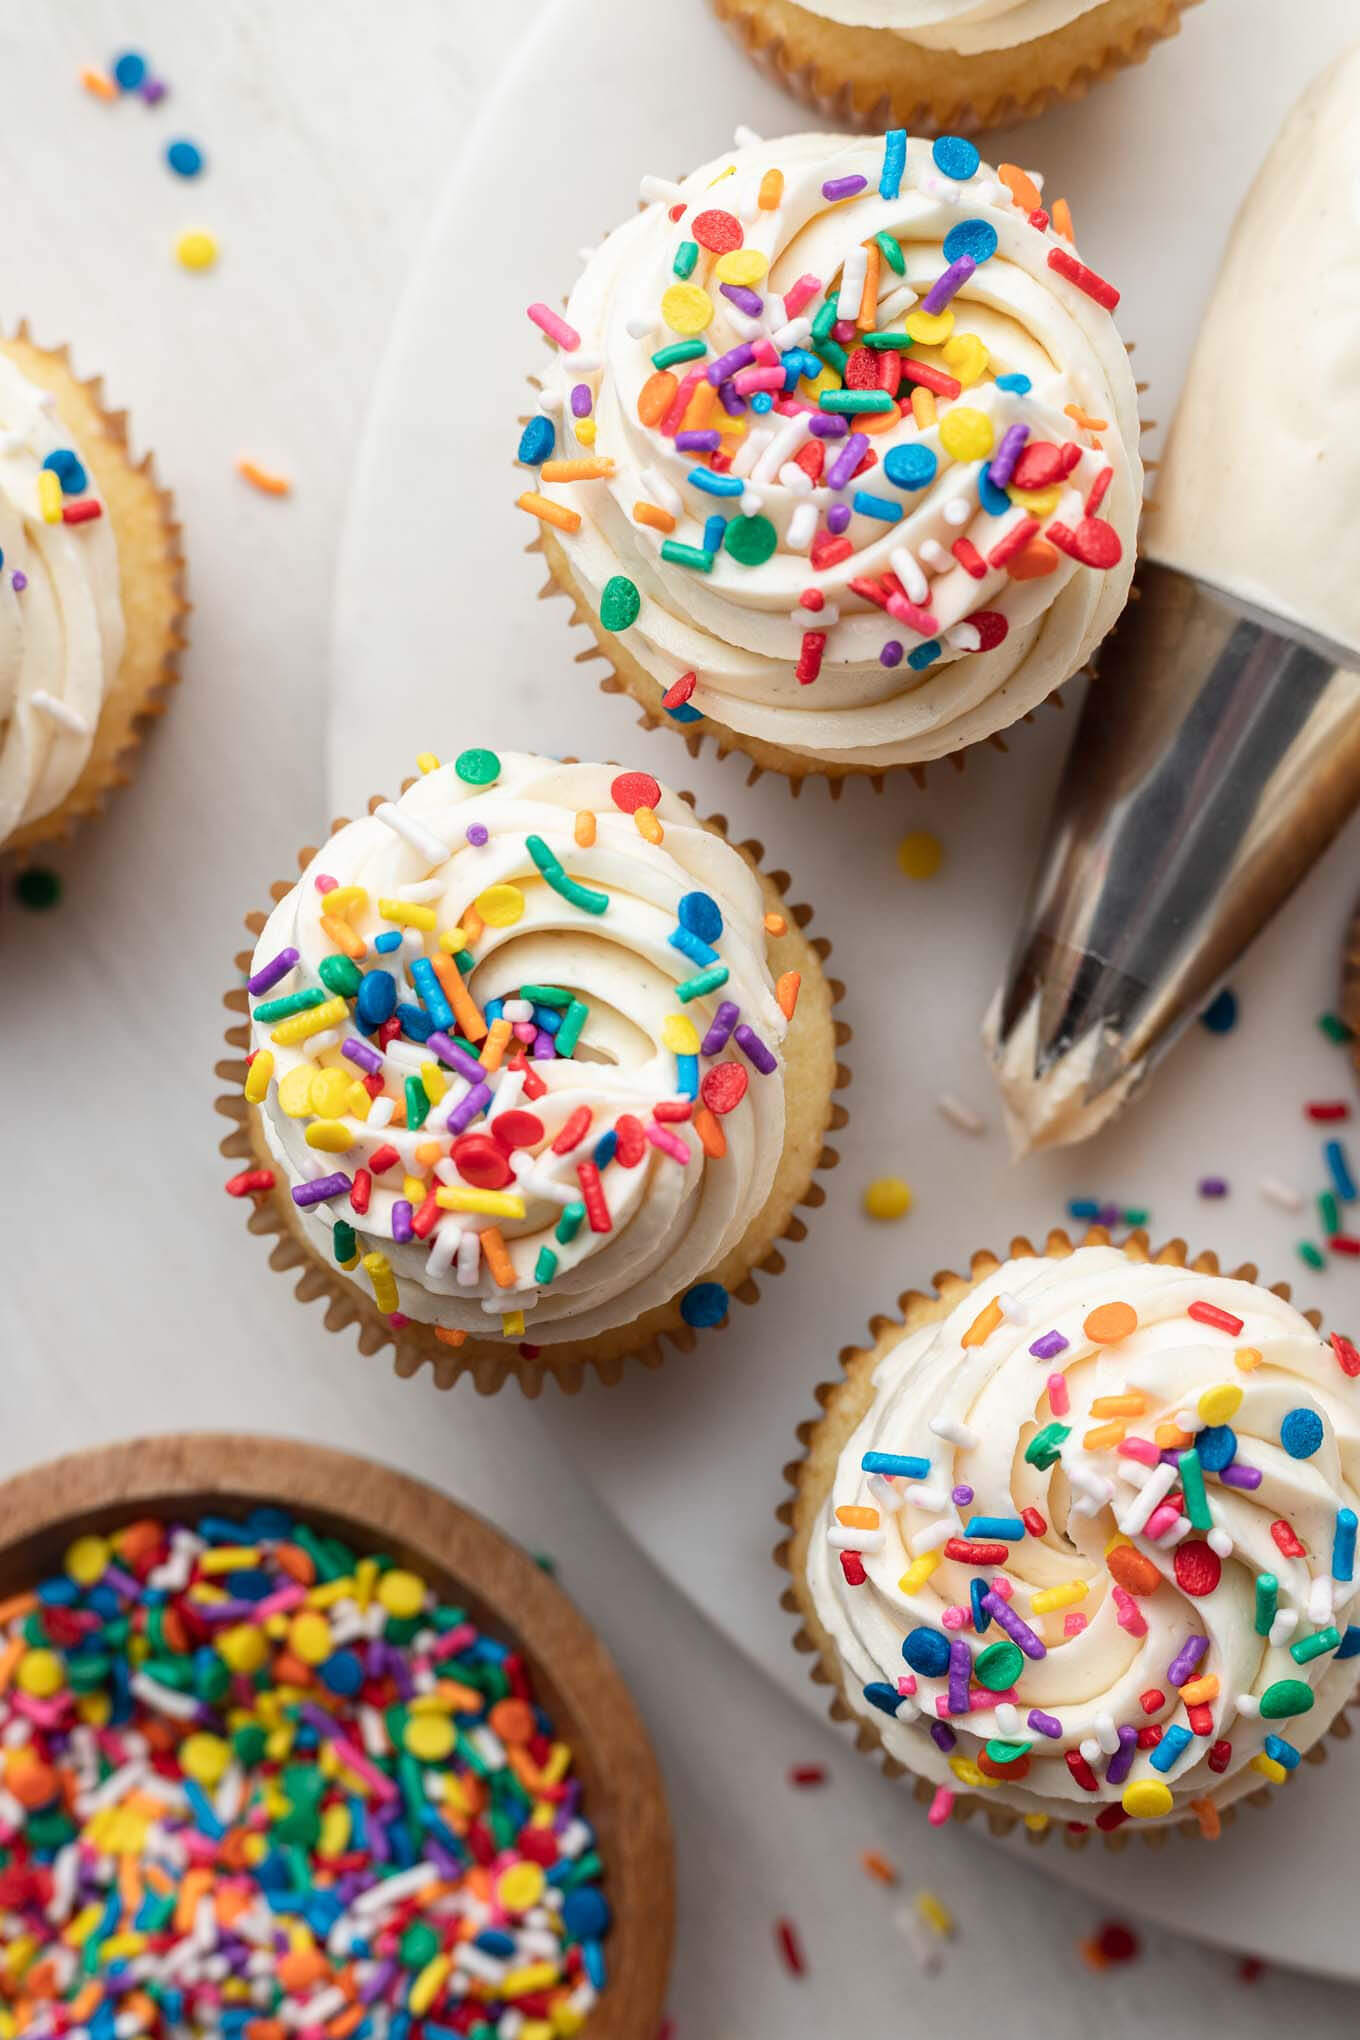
(1218, 751)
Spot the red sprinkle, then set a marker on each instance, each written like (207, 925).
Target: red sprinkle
(83, 512)
(808, 1774)
(969, 558)
(810, 658)
(931, 378)
(1098, 491)
(1326, 1110)
(890, 371)
(383, 1158)
(861, 369)
(1284, 1536)
(1344, 1243)
(481, 1161)
(667, 1109)
(811, 458)
(828, 551)
(1201, 1718)
(1152, 1700)
(632, 1141)
(1085, 279)
(517, 1129)
(632, 790)
(1040, 465)
(790, 1947)
(1210, 1314)
(718, 231)
(1082, 1772)
(1220, 1756)
(1033, 1522)
(574, 1130)
(592, 1191)
(1091, 541)
(1148, 1738)
(677, 695)
(1015, 541)
(991, 627)
(1116, 1942)
(813, 599)
(361, 1190)
(969, 1553)
(1109, 1818)
(852, 1565)
(1198, 1567)
(248, 1182)
(723, 1086)
(1347, 1357)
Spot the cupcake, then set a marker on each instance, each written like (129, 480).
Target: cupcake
(940, 64)
(540, 1067)
(1076, 1538)
(838, 454)
(91, 598)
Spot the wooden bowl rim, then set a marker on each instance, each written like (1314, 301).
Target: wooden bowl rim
(378, 1506)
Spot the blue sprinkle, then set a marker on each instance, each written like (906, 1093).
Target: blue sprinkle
(65, 465)
(1220, 1017)
(184, 158)
(1338, 1168)
(415, 1022)
(977, 1588)
(685, 713)
(1009, 1528)
(1083, 1207)
(537, 441)
(1217, 1447)
(129, 70)
(715, 485)
(492, 1941)
(974, 238)
(1349, 1645)
(690, 945)
(592, 1958)
(585, 1914)
(389, 940)
(714, 527)
(58, 1593)
(910, 467)
(993, 500)
(1019, 385)
(704, 1306)
(1175, 1739)
(924, 655)
(548, 1019)
(955, 157)
(927, 1652)
(700, 913)
(894, 163)
(875, 506)
(687, 1076)
(377, 998)
(763, 401)
(493, 1010)
(205, 1820)
(1283, 1752)
(902, 1465)
(1301, 1433)
(604, 1150)
(884, 1697)
(342, 1672)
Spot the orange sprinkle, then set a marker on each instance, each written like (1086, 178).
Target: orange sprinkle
(17, 1605)
(878, 1867)
(449, 1335)
(652, 514)
(1104, 1436)
(983, 1325)
(288, 1670)
(472, 924)
(867, 317)
(656, 397)
(84, 2002)
(1196, 1692)
(497, 1259)
(548, 512)
(1131, 1570)
(1119, 1405)
(139, 1540)
(346, 2021)
(193, 1885)
(712, 1139)
(459, 997)
(494, 1047)
(299, 1969)
(1109, 1323)
(1171, 1438)
(856, 1518)
(698, 408)
(597, 469)
(1062, 219)
(464, 1699)
(9, 1658)
(1036, 560)
(512, 1720)
(1247, 1357)
(584, 830)
(1021, 186)
(786, 991)
(880, 421)
(648, 827)
(922, 407)
(263, 479)
(526, 1771)
(293, 1560)
(771, 190)
(427, 1153)
(1084, 419)
(775, 924)
(1206, 1813)
(99, 83)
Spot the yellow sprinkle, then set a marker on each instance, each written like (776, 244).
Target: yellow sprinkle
(378, 1269)
(968, 1774)
(935, 1913)
(686, 308)
(520, 1887)
(434, 1081)
(228, 1558)
(1036, 1822)
(500, 906)
(453, 941)
(679, 1034)
(533, 1976)
(1220, 1403)
(918, 1572)
(1049, 1598)
(406, 914)
(647, 824)
(205, 1758)
(196, 249)
(1268, 1768)
(413, 1189)
(966, 434)
(243, 1648)
(586, 430)
(929, 329)
(257, 1076)
(402, 1593)
(309, 1637)
(86, 1559)
(427, 762)
(966, 358)
(771, 190)
(357, 1101)
(1104, 1436)
(345, 899)
(983, 1325)
(741, 265)
(512, 1324)
(426, 1987)
(1147, 1799)
(332, 1136)
(1247, 1357)
(328, 1092)
(496, 1203)
(920, 855)
(301, 1026)
(40, 1673)
(1039, 502)
(584, 830)
(334, 1837)
(923, 408)
(49, 497)
(429, 1737)
(887, 1197)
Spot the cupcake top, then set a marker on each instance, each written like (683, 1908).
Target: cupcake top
(61, 620)
(841, 440)
(518, 1051)
(257, 1782)
(968, 26)
(1092, 1548)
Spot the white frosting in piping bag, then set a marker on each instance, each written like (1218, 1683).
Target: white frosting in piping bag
(969, 1396)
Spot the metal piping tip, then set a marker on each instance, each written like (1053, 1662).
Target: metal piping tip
(1217, 755)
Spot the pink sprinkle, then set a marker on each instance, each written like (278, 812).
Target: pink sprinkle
(279, 1603)
(1161, 1519)
(767, 353)
(1127, 1614)
(798, 294)
(325, 883)
(669, 1143)
(453, 1641)
(748, 379)
(906, 1685)
(1002, 1586)
(397, 1318)
(1074, 1623)
(954, 1618)
(555, 326)
(844, 332)
(354, 1760)
(1058, 1399)
(525, 1030)
(941, 1806)
(914, 617)
(942, 1706)
(1141, 1449)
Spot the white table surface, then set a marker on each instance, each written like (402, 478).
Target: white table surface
(132, 1297)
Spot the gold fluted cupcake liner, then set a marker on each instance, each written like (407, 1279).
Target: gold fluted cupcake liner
(874, 78)
(843, 1403)
(151, 571)
(814, 1073)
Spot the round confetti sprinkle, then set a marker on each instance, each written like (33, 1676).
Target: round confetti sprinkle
(516, 1129)
(481, 1160)
(686, 308)
(477, 834)
(620, 603)
(1301, 1433)
(910, 467)
(1198, 1568)
(1117, 1943)
(1040, 465)
(1217, 1445)
(129, 70)
(1220, 1015)
(999, 1666)
(1219, 1403)
(500, 906)
(477, 768)
(1096, 543)
(991, 627)
(974, 238)
(927, 1652)
(1147, 1799)
(955, 157)
(920, 854)
(37, 888)
(723, 1086)
(184, 158)
(887, 1197)
(704, 1306)
(196, 248)
(67, 468)
(966, 433)
(750, 540)
(634, 790)
(1109, 1323)
(717, 231)
(700, 913)
(745, 267)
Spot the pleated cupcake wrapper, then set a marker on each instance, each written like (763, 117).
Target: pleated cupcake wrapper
(492, 1361)
(873, 79)
(839, 1407)
(150, 664)
(1350, 984)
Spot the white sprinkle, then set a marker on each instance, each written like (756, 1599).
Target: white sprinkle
(469, 1258)
(446, 1240)
(934, 555)
(1107, 1735)
(852, 283)
(842, 1537)
(886, 1493)
(1219, 1542)
(815, 619)
(422, 891)
(1320, 1603)
(938, 1534)
(1178, 1529)
(792, 334)
(659, 490)
(746, 137)
(931, 1499)
(954, 1433)
(964, 637)
(802, 528)
(413, 832)
(1189, 1420)
(1283, 1627)
(957, 510)
(908, 571)
(1276, 1192)
(750, 450)
(1095, 1494)
(752, 503)
(179, 1706)
(1248, 1705)
(640, 326)
(952, 1108)
(1008, 1719)
(380, 1113)
(550, 401)
(986, 192)
(900, 299)
(796, 480)
(69, 718)
(786, 442)
(1090, 1749)
(660, 191)
(1012, 1308)
(515, 1010)
(924, 1945)
(382, 1897)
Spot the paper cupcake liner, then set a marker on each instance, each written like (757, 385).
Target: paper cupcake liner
(842, 1405)
(1350, 984)
(151, 571)
(491, 1362)
(873, 78)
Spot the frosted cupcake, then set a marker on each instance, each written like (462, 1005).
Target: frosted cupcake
(1078, 1538)
(838, 453)
(91, 602)
(941, 64)
(540, 1068)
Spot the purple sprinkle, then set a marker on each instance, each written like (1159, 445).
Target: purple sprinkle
(324, 1187)
(1170, 1456)
(891, 654)
(847, 460)
(581, 400)
(153, 90)
(829, 425)
(731, 399)
(837, 518)
(18, 581)
(1109, 1216)
(1007, 454)
(1044, 1724)
(544, 1048)
(698, 442)
(1241, 1476)
(960, 1675)
(728, 364)
(748, 301)
(837, 188)
(1121, 1763)
(1049, 1346)
(269, 973)
(961, 1497)
(755, 1051)
(724, 1020)
(1186, 1658)
(401, 1221)
(467, 1108)
(1018, 1631)
(943, 1736)
(944, 287)
(448, 1051)
(477, 834)
(1213, 1186)
(360, 1052)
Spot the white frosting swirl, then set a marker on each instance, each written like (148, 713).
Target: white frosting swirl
(1020, 345)
(680, 1192)
(967, 26)
(61, 619)
(969, 1395)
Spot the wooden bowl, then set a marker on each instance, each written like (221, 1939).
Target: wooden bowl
(374, 1507)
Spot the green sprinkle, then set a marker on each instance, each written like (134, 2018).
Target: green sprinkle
(417, 1104)
(834, 355)
(545, 1562)
(679, 350)
(1267, 1596)
(854, 403)
(544, 995)
(477, 768)
(339, 975)
(1329, 1212)
(1317, 1645)
(620, 603)
(686, 255)
(292, 1002)
(1311, 1256)
(569, 1033)
(750, 540)
(569, 1224)
(1192, 1485)
(999, 1666)
(1007, 1752)
(822, 323)
(1286, 1697)
(579, 895)
(37, 888)
(1044, 1447)
(710, 980)
(687, 556)
(1335, 1028)
(344, 1240)
(1137, 1214)
(545, 1267)
(886, 342)
(891, 250)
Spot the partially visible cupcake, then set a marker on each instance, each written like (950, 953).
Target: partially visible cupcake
(540, 1067)
(934, 65)
(838, 454)
(91, 595)
(1076, 1538)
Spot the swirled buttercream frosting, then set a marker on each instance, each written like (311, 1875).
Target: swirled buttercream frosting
(517, 1050)
(967, 26)
(61, 618)
(841, 442)
(1092, 1546)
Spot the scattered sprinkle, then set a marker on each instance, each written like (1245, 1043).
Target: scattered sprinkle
(887, 1197)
